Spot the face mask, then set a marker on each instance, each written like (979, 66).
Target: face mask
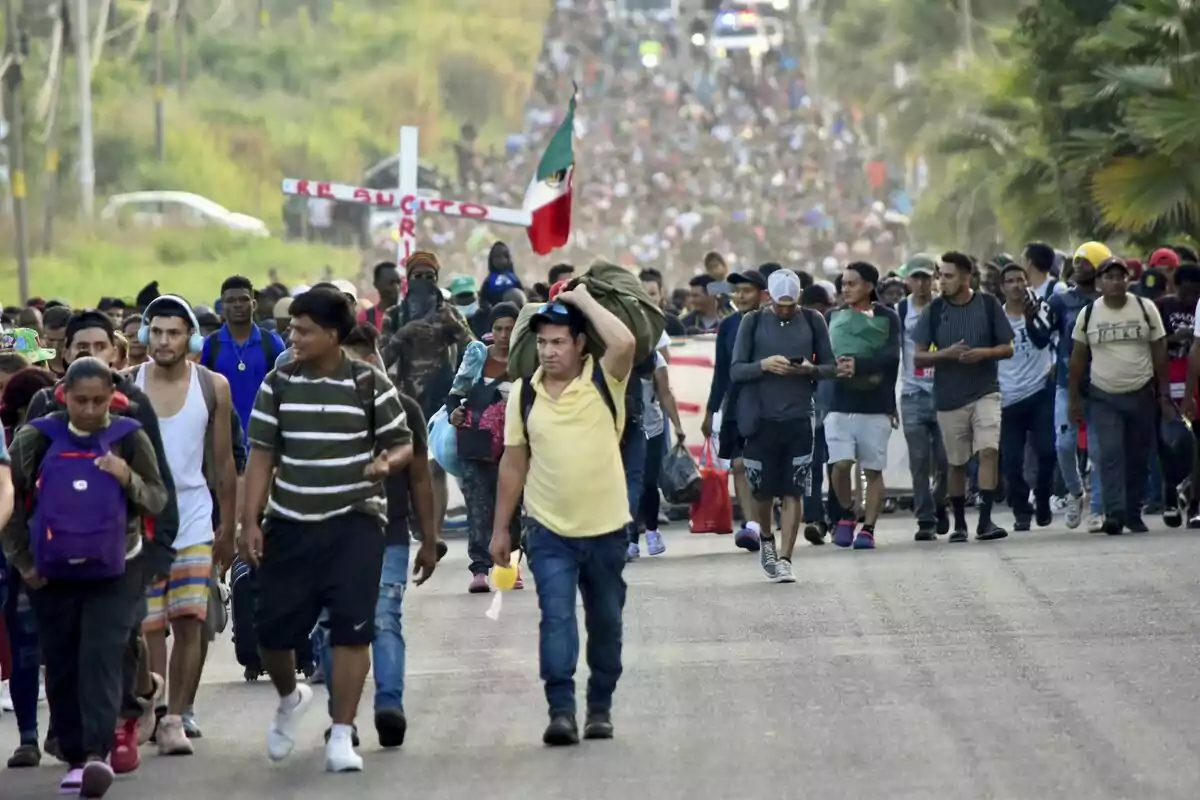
(470, 310)
(422, 298)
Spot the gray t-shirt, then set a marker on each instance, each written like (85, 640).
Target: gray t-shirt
(980, 322)
(764, 395)
(913, 379)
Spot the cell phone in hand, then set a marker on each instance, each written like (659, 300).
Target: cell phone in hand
(798, 362)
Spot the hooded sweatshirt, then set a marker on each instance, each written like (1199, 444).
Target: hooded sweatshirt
(498, 280)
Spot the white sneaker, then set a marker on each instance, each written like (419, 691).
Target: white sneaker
(1074, 509)
(783, 572)
(6, 703)
(281, 737)
(1096, 524)
(340, 755)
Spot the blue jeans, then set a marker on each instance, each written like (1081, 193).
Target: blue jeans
(592, 567)
(21, 624)
(387, 650)
(633, 459)
(1067, 445)
(926, 455)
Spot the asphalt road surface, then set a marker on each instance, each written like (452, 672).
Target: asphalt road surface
(1052, 664)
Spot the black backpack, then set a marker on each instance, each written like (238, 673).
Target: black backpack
(937, 310)
(1086, 385)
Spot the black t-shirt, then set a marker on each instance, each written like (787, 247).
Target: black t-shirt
(673, 327)
(1177, 315)
(396, 485)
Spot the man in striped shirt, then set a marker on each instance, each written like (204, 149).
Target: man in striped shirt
(325, 431)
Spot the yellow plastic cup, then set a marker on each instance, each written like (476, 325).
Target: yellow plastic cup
(505, 578)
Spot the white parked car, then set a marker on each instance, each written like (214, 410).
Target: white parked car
(744, 31)
(178, 209)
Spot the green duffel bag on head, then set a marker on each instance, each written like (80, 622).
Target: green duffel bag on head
(616, 289)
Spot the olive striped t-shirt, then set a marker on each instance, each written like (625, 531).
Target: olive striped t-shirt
(325, 446)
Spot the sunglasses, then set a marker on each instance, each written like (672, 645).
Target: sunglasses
(554, 307)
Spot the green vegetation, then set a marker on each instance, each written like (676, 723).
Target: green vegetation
(88, 266)
(320, 90)
(1064, 119)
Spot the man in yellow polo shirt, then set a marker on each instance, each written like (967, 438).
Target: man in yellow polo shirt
(562, 449)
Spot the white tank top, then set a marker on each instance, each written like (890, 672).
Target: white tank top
(183, 441)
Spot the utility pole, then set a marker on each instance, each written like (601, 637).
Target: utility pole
(181, 43)
(968, 23)
(160, 143)
(87, 162)
(16, 142)
(50, 175)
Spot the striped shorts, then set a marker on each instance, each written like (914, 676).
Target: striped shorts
(185, 593)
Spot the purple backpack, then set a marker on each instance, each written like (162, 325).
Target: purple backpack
(80, 518)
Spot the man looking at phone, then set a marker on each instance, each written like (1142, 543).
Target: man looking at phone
(780, 351)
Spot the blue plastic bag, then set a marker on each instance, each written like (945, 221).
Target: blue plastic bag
(443, 442)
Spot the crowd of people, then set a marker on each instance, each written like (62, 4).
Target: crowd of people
(156, 439)
(287, 437)
(692, 155)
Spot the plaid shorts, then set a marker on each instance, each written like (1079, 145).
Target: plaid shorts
(185, 592)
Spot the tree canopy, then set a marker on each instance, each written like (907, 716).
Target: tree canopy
(1064, 120)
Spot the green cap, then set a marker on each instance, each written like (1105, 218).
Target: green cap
(920, 264)
(463, 284)
(25, 342)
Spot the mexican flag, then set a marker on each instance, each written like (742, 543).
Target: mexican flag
(549, 193)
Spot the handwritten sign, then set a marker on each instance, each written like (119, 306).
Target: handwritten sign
(409, 205)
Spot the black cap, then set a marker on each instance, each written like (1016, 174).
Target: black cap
(1110, 264)
(557, 313)
(750, 276)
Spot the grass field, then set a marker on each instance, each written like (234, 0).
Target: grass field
(88, 266)
(320, 91)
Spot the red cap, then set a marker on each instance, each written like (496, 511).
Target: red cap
(557, 288)
(1135, 268)
(1164, 257)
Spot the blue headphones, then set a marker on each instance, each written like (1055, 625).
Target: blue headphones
(195, 341)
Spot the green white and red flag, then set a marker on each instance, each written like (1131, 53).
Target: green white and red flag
(549, 195)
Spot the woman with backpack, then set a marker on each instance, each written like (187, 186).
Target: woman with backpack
(84, 479)
(479, 417)
(18, 614)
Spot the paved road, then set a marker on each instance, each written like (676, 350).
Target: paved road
(1057, 664)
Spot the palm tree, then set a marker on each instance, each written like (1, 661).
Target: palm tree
(1146, 179)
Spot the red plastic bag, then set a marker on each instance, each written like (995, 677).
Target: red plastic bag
(713, 510)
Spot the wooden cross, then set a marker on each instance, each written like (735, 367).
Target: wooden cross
(405, 199)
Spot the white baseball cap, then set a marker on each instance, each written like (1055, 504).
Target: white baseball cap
(346, 287)
(784, 285)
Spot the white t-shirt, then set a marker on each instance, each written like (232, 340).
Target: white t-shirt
(1119, 339)
(653, 421)
(1023, 375)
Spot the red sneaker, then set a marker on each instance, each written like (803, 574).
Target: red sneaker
(125, 756)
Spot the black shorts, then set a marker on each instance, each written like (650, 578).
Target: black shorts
(729, 442)
(310, 566)
(778, 459)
